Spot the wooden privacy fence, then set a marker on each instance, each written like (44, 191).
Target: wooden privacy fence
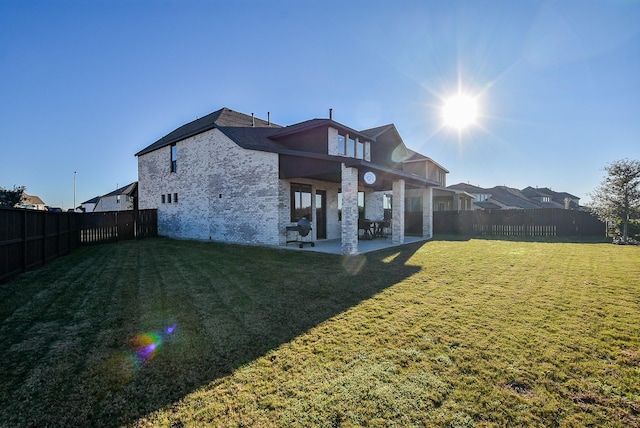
(112, 226)
(30, 238)
(530, 222)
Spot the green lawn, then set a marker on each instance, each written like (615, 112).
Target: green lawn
(446, 333)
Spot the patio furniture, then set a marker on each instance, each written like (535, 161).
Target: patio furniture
(301, 230)
(367, 228)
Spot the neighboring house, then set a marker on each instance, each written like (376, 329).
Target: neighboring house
(503, 197)
(548, 197)
(122, 199)
(88, 206)
(508, 198)
(31, 202)
(231, 177)
(443, 199)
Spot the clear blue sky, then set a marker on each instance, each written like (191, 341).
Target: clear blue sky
(84, 85)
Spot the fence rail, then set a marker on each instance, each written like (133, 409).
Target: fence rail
(30, 238)
(530, 222)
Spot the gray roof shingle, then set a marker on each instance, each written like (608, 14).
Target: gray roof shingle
(221, 118)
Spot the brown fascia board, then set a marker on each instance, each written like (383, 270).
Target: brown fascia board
(315, 123)
(351, 162)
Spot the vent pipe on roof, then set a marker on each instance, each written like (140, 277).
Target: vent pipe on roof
(268, 118)
(331, 113)
(253, 120)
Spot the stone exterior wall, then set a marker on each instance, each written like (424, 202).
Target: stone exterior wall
(349, 235)
(225, 193)
(427, 212)
(397, 223)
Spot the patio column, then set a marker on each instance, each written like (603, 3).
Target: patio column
(427, 212)
(349, 210)
(397, 222)
(456, 202)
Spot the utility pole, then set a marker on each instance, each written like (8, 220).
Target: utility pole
(74, 191)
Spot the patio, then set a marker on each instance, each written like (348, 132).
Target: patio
(334, 246)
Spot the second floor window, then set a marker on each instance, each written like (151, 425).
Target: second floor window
(342, 149)
(174, 158)
(359, 149)
(351, 147)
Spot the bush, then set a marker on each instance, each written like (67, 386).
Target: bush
(633, 230)
(621, 240)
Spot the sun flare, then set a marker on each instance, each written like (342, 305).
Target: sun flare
(460, 111)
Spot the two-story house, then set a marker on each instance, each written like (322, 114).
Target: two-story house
(121, 199)
(232, 177)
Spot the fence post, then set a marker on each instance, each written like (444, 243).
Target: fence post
(24, 241)
(44, 238)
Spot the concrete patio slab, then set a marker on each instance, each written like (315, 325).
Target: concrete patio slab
(334, 246)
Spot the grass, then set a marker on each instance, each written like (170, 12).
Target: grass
(448, 333)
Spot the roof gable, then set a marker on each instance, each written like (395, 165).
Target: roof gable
(93, 200)
(221, 118)
(31, 199)
(511, 197)
(129, 189)
(469, 188)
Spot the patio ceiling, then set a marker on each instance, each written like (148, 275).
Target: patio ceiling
(328, 168)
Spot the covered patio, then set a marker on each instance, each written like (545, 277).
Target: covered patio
(334, 246)
(358, 175)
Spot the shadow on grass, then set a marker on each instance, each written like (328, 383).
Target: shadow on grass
(517, 238)
(111, 333)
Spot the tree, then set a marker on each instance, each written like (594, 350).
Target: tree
(618, 196)
(9, 198)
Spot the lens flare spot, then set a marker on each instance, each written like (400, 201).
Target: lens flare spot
(353, 264)
(145, 346)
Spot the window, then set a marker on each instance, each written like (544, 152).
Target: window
(174, 158)
(387, 201)
(351, 148)
(300, 201)
(168, 198)
(359, 150)
(413, 204)
(163, 199)
(175, 198)
(546, 199)
(342, 150)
